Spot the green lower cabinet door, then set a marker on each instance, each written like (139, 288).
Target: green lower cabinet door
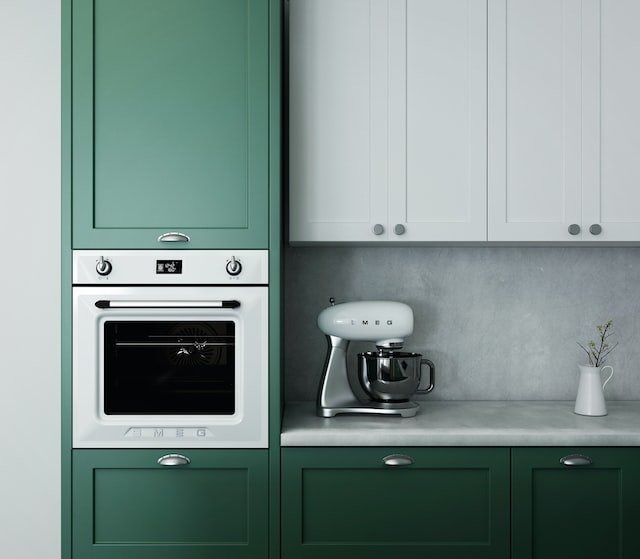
(127, 506)
(347, 503)
(589, 510)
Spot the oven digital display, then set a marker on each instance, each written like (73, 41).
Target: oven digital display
(168, 266)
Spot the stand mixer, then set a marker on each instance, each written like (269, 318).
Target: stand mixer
(388, 377)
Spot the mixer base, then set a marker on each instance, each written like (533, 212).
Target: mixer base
(403, 409)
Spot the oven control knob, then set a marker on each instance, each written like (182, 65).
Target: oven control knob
(103, 267)
(234, 267)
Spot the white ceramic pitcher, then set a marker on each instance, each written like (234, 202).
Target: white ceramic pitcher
(590, 399)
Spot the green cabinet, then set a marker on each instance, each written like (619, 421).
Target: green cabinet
(346, 503)
(127, 506)
(170, 123)
(588, 511)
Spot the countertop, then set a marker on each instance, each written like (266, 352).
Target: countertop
(467, 423)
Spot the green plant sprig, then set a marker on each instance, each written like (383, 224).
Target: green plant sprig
(597, 352)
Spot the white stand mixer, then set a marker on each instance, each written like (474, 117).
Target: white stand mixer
(388, 377)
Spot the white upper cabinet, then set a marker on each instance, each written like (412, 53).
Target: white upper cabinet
(438, 116)
(564, 120)
(387, 121)
(464, 120)
(534, 119)
(611, 125)
(337, 152)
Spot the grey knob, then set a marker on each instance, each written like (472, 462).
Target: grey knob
(103, 267)
(576, 460)
(399, 229)
(397, 460)
(595, 229)
(574, 229)
(234, 267)
(173, 460)
(378, 229)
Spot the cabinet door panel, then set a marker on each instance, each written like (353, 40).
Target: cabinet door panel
(170, 122)
(534, 119)
(612, 119)
(584, 512)
(438, 119)
(345, 503)
(127, 506)
(337, 124)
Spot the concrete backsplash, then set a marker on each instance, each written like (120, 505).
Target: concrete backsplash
(499, 322)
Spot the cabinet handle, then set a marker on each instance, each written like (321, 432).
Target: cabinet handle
(173, 460)
(173, 237)
(574, 229)
(397, 460)
(399, 229)
(595, 229)
(576, 460)
(378, 229)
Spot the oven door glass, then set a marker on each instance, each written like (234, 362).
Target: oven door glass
(169, 368)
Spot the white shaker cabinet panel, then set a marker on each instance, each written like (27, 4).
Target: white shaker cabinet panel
(337, 114)
(534, 139)
(387, 120)
(438, 110)
(611, 163)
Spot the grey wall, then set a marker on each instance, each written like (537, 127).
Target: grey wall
(30, 278)
(499, 322)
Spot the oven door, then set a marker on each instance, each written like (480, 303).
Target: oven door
(158, 367)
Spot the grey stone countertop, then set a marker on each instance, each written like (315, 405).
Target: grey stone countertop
(467, 423)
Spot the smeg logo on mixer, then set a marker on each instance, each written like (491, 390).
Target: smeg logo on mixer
(375, 322)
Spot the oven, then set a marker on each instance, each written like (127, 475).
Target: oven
(170, 349)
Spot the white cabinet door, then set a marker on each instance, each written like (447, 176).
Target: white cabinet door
(337, 120)
(387, 120)
(535, 103)
(438, 115)
(611, 128)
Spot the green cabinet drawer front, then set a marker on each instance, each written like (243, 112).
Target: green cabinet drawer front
(579, 512)
(345, 503)
(170, 122)
(125, 505)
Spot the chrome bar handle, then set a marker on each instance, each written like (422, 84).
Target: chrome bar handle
(174, 237)
(397, 460)
(576, 460)
(227, 304)
(173, 460)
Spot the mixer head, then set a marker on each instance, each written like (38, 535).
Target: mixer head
(387, 323)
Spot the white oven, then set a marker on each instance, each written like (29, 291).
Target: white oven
(170, 349)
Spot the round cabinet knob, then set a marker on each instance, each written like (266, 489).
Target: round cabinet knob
(595, 229)
(574, 229)
(103, 267)
(399, 229)
(378, 229)
(234, 267)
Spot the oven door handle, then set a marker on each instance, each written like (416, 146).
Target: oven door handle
(229, 304)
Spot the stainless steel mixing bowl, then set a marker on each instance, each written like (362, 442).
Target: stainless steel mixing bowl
(393, 376)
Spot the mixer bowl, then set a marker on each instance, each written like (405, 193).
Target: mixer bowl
(392, 376)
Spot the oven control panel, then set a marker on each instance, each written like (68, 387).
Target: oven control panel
(163, 267)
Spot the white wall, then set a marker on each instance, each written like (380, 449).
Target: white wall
(30, 278)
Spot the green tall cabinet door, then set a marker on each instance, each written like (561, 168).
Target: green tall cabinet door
(347, 503)
(127, 506)
(584, 511)
(170, 123)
